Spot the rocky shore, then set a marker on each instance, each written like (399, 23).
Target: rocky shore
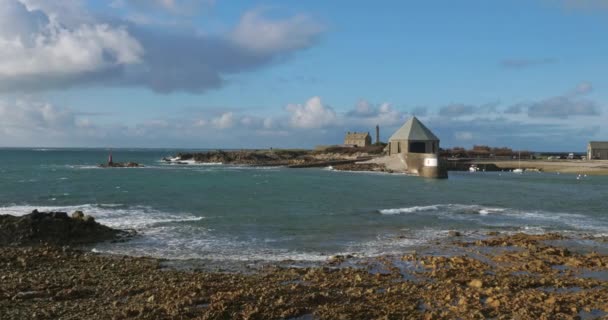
(501, 277)
(371, 167)
(291, 158)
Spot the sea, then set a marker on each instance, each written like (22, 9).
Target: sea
(228, 213)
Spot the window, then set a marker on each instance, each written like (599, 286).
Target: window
(417, 147)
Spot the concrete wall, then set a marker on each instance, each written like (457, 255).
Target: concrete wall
(600, 154)
(425, 165)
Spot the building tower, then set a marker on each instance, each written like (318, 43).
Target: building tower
(377, 134)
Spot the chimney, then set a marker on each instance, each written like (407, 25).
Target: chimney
(377, 134)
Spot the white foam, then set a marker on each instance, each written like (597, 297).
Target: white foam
(518, 217)
(410, 209)
(179, 161)
(87, 167)
(486, 211)
(112, 215)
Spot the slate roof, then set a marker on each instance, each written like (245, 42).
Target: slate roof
(413, 129)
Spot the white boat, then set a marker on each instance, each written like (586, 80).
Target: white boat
(473, 168)
(519, 169)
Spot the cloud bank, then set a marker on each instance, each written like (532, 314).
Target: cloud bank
(554, 121)
(58, 45)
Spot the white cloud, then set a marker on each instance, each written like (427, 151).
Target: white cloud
(368, 114)
(225, 121)
(569, 104)
(33, 44)
(201, 123)
(260, 34)
(27, 122)
(24, 114)
(312, 114)
(583, 88)
(268, 123)
(463, 135)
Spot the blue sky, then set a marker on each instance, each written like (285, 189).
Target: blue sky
(212, 73)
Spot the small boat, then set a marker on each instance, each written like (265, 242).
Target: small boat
(473, 168)
(519, 169)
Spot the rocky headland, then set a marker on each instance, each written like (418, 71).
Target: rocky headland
(280, 157)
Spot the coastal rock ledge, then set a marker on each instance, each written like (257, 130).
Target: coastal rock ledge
(55, 228)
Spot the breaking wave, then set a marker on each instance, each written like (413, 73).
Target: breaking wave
(506, 217)
(112, 215)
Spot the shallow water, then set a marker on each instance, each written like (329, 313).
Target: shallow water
(242, 213)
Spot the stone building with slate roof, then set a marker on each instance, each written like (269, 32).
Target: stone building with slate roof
(358, 139)
(597, 150)
(418, 149)
(413, 137)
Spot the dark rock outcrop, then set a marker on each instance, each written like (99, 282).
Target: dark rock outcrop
(361, 167)
(121, 165)
(260, 157)
(55, 228)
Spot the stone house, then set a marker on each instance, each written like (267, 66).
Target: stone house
(358, 139)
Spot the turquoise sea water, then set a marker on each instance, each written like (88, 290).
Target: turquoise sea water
(243, 213)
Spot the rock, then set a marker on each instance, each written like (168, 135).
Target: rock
(27, 295)
(454, 233)
(337, 259)
(476, 283)
(54, 228)
(60, 215)
(78, 215)
(121, 165)
(360, 167)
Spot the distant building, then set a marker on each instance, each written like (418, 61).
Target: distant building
(418, 148)
(413, 137)
(597, 150)
(358, 139)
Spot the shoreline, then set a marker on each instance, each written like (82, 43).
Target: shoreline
(593, 167)
(501, 276)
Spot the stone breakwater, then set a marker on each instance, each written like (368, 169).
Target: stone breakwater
(55, 228)
(502, 277)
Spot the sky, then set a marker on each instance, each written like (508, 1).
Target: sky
(525, 74)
